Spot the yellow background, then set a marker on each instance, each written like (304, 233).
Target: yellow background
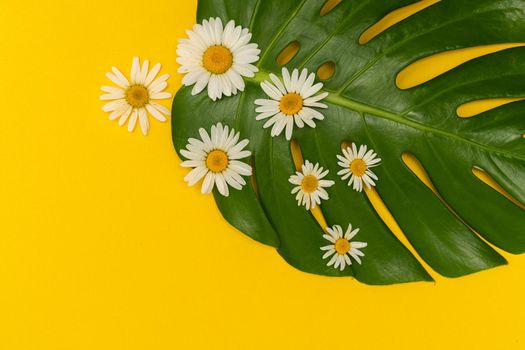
(102, 245)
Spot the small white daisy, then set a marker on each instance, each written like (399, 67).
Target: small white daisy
(216, 159)
(356, 165)
(136, 97)
(310, 185)
(217, 58)
(293, 101)
(342, 247)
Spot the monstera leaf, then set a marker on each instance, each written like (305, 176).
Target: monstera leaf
(452, 232)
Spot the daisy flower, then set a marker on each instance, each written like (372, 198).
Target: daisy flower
(342, 247)
(356, 165)
(215, 157)
(310, 185)
(217, 58)
(291, 101)
(134, 98)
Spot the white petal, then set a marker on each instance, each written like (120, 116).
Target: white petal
(293, 80)
(351, 233)
(133, 120)
(214, 88)
(161, 95)
(286, 79)
(195, 175)
(289, 128)
(112, 89)
(328, 253)
(240, 168)
(221, 185)
(301, 81)
(155, 113)
(208, 183)
(271, 90)
(116, 113)
(235, 79)
(278, 84)
(333, 260)
(313, 90)
(157, 87)
(201, 84)
(347, 259)
(143, 72)
(354, 255)
(124, 117)
(114, 105)
(135, 70)
(160, 107)
(152, 74)
(359, 245)
(117, 80)
(143, 121)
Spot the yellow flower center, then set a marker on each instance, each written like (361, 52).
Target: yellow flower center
(358, 167)
(217, 161)
(291, 104)
(309, 183)
(137, 96)
(342, 246)
(217, 59)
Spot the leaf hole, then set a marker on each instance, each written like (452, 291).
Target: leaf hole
(326, 70)
(474, 108)
(420, 172)
(388, 218)
(328, 6)
(417, 168)
(393, 18)
(288, 53)
(430, 67)
(298, 161)
(489, 181)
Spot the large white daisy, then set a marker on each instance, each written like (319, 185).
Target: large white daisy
(217, 58)
(341, 247)
(310, 187)
(357, 166)
(291, 101)
(132, 99)
(215, 157)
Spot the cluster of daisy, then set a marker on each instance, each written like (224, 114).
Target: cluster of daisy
(217, 59)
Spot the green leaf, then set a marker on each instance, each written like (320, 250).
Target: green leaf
(365, 106)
